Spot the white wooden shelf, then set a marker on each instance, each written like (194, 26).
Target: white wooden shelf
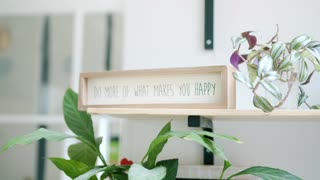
(31, 119)
(204, 112)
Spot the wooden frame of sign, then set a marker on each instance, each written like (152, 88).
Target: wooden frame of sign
(209, 87)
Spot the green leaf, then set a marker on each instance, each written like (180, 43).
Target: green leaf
(216, 135)
(302, 98)
(84, 153)
(116, 175)
(94, 171)
(254, 54)
(307, 54)
(207, 143)
(171, 167)
(308, 79)
(277, 50)
(156, 148)
(120, 176)
(303, 71)
(272, 89)
(71, 168)
(138, 172)
(226, 166)
(300, 41)
(117, 172)
(200, 137)
(315, 53)
(265, 65)
(301, 90)
(104, 175)
(35, 136)
(238, 76)
(267, 173)
(262, 103)
(237, 40)
(285, 64)
(315, 106)
(270, 76)
(253, 72)
(78, 122)
(313, 44)
(241, 78)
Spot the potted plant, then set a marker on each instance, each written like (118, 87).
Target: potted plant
(82, 167)
(277, 67)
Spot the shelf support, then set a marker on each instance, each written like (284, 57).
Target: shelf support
(207, 125)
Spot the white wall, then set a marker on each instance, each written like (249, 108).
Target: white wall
(27, 46)
(166, 33)
(58, 6)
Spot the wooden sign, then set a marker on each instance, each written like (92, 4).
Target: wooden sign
(210, 87)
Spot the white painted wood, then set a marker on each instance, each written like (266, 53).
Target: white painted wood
(31, 119)
(159, 89)
(76, 65)
(208, 87)
(217, 113)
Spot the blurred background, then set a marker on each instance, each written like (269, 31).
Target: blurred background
(45, 44)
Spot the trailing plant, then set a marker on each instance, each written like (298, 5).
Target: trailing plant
(83, 155)
(275, 61)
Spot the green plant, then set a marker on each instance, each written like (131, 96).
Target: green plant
(275, 61)
(83, 155)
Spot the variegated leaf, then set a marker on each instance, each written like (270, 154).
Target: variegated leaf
(285, 64)
(277, 50)
(303, 72)
(307, 54)
(262, 103)
(252, 70)
(300, 41)
(272, 89)
(265, 65)
(302, 98)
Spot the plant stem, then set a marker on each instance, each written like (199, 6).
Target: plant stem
(290, 82)
(102, 159)
(275, 36)
(255, 88)
(307, 104)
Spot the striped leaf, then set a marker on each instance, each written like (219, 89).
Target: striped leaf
(300, 42)
(262, 103)
(302, 98)
(303, 72)
(315, 106)
(308, 54)
(265, 64)
(241, 78)
(271, 76)
(285, 64)
(238, 76)
(277, 50)
(313, 44)
(252, 70)
(272, 89)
